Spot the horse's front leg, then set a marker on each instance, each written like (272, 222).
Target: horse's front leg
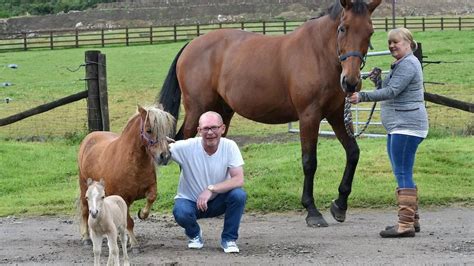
(113, 249)
(309, 138)
(150, 199)
(123, 240)
(96, 247)
(339, 206)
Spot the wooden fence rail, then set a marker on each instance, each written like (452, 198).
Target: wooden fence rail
(74, 38)
(96, 94)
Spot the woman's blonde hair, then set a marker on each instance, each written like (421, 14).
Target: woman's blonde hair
(405, 34)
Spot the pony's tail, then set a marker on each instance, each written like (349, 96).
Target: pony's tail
(170, 94)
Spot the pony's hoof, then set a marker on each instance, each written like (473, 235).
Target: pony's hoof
(142, 216)
(316, 221)
(338, 213)
(87, 242)
(136, 250)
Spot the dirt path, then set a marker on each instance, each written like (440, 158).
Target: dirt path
(447, 237)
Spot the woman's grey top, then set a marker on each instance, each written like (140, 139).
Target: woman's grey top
(402, 107)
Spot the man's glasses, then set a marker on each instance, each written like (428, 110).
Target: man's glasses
(213, 129)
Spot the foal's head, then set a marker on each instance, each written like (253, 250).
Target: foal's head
(156, 128)
(353, 38)
(95, 196)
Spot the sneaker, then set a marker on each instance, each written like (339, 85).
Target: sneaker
(230, 246)
(197, 242)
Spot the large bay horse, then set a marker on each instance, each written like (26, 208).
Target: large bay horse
(126, 163)
(304, 75)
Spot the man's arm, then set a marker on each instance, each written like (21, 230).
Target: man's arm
(236, 180)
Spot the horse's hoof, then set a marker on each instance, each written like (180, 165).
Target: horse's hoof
(316, 221)
(136, 250)
(338, 213)
(87, 242)
(141, 216)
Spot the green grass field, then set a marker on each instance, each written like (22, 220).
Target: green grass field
(136, 73)
(40, 178)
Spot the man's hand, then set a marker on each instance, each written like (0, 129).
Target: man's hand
(203, 199)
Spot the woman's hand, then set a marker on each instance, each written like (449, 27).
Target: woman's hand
(354, 98)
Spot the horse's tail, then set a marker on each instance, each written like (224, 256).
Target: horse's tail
(170, 94)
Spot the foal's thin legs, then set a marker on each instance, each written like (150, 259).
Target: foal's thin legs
(123, 240)
(97, 247)
(113, 249)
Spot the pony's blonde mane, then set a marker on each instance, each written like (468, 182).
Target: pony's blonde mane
(162, 122)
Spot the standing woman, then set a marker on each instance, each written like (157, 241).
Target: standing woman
(404, 117)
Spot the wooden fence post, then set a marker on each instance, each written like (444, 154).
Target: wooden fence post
(77, 38)
(151, 34)
(126, 36)
(103, 94)
(51, 42)
(25, 42)
(102, 37)
(175, 33)
(93, 103)
(418, 53)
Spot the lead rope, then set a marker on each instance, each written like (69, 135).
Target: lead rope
(348, 119)
(375, 76)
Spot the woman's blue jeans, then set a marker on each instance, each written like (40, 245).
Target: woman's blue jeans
(231, 204)
(401, 152)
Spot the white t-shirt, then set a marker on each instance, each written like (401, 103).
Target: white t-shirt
(199, 169)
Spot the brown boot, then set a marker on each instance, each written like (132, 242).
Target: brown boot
(416, 223)
(406, 198)
(417, 215)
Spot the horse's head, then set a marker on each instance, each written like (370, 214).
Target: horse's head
(95, 196)
(156, 128)
(353, 39)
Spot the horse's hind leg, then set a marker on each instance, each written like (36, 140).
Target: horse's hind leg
(339, 206)
(227, 113)
(84, 229)
(133, 240)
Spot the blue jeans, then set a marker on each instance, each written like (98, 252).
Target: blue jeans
(231, 204)
(401, 152)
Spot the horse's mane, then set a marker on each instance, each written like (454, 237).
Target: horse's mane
(162, 123)
(359, 7)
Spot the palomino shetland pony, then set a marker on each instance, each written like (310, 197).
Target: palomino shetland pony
(304, 75)
(126, 162)
(107, 216)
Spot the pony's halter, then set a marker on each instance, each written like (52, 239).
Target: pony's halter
(149, 141)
